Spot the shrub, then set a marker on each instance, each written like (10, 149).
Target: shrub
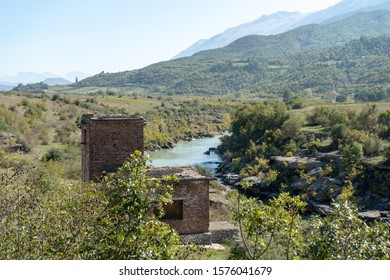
(372, 145)
(352, 156)
(339, 132)
(341, 98)
(291, 128)
(54, 155)
(343, 235)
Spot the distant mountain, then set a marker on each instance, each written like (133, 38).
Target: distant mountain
(265, 25)
(27, 77)
(56, 82)
(312, 57)
(313, 36)
(342, 9)
(5, 87)
(31, 78)
(283, 21)
(381, 6)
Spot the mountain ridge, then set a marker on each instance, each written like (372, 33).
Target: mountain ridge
(265, 26)
(309, 36)
(32, 77)
(259, 63)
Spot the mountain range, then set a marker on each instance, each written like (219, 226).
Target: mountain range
(8, 82)
(283, 21)
(340, 57)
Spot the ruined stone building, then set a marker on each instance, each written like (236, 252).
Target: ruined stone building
(108, 141)
(189, 212)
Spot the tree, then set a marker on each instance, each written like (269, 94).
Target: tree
(250, 122)
(288, 95)
(351, 160)
(386, 155)
(116, 218)
(367, 120)
(265, 226)
(129, 229)
(291, 128)
(384, 121)
(343, 235)
(338, 133)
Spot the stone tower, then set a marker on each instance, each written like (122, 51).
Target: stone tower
(107, 142)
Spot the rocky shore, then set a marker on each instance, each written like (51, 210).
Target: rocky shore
(318, 185)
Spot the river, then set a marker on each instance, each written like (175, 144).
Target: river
(189, 153)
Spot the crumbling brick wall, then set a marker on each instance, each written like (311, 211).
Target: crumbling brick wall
(107, 142)
(189, 212)
(195, 196)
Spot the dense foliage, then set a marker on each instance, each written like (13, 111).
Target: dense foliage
(277, 229)
(259, 132)
(348, 137)
(263, 226)
(110, 219)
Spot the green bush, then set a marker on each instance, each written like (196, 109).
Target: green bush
(55, 155)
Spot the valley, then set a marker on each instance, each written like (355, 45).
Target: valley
(294, 123)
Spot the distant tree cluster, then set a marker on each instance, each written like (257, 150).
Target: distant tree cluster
(31, 88)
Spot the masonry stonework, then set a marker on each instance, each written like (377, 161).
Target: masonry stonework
(192, 191)
(195, 196)
(107, 142)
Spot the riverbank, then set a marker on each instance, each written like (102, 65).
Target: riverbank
(319, 179)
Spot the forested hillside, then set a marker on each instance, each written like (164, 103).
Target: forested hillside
(312, 59)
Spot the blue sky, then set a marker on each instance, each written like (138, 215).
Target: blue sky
(91, 36)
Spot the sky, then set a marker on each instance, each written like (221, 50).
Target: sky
(59, 36)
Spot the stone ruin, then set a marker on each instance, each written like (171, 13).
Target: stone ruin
(108, 141)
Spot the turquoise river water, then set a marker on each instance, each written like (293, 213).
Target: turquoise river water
(189, 153)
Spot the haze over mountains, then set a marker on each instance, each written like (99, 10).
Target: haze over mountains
(8, 82)
(292, 42)
(283, 21)
(336, 58)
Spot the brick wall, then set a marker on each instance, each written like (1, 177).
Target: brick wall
(195, 196)
(108, 142)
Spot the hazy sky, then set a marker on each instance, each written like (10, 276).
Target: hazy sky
(91, 36)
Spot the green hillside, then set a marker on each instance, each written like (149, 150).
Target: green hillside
(316, 58)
